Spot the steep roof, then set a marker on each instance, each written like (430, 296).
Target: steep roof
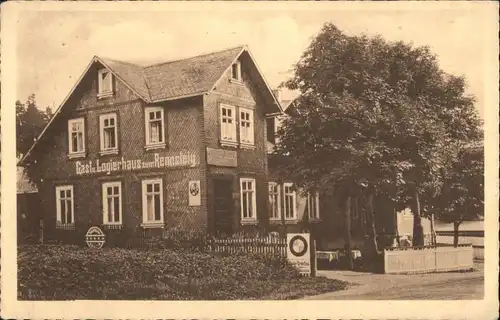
(174, 79)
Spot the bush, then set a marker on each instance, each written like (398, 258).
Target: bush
(70, 272)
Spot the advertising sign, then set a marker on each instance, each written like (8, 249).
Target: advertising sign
(95, 238)
(298, 251)
(194, 193)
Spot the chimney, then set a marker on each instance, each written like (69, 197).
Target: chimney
(277, 94)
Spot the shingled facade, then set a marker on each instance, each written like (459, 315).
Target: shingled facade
(179, 145)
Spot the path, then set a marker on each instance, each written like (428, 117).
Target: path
(432, 286)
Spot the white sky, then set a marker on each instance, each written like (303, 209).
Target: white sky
(55, 46)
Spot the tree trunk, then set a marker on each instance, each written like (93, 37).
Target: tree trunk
(433, 231)
(396, 229)
(456, 224)
(348, 237)
(372, 229)
(418, 232)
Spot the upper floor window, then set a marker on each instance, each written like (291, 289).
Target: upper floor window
(155, 127)
(112, 202)
(289, 201)
(76, 137)
(108, 132)
(274, 201)
(248, 202)
(152, 202)
(246, 126)
(227, 124)
(105, 83)
(65, 206)
(236, 71)
(313, 206)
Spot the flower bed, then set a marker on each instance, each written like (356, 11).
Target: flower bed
(50, 272)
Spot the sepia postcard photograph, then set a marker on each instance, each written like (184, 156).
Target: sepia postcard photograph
(251, 159)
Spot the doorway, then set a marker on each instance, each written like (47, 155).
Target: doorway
(223, 206)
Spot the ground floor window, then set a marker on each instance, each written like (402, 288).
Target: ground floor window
(248, 202)
(65, 205)
(274, 201)
(289, 201)
(112, 202)
(152, 201)
(313, 206)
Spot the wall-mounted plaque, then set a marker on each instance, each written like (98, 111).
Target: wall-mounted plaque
(222, 158)
(194, 193)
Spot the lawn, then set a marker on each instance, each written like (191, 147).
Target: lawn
(51, 272)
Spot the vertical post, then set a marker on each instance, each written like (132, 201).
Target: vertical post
(313, 258)
(41, 230)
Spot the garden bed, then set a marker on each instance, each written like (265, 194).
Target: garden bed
(55, 272)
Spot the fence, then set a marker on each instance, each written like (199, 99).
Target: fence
(428, 259)
(474, 237)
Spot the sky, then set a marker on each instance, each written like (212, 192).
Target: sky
(54, 47)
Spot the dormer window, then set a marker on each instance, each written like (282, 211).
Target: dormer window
(105, 83)
(236, 71)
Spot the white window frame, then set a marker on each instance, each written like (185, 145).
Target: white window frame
(152, 223)
(105, 196)
(292, 194)
(147, 121)
(252, 201)
(247, 134)
(238, 72)
(58, 205)
(76, 153)
(313, 198)
(100, 89)
(227, 131)
(102, 118)
(274, 197)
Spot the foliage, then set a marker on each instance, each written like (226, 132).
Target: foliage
(71, 272)
(30, 122)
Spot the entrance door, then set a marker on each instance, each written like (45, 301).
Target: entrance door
(223, 206)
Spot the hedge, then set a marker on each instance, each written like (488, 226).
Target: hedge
(56, 272)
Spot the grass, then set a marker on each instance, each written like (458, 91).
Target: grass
(51, 272)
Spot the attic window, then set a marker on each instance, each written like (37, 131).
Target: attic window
(236, 71)
(105, 83)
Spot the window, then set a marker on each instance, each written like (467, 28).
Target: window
(105, 83)
(152, 202)
(246, 126)
(313, 206)
(274, 201)
(271, 132)
(76, 137)
(227, 125)
(65, 205)
(109, 136)
(236, 71)
(289, 202)
(112, 202)
(248, 205)
(155, 128)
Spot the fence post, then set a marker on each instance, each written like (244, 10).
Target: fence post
(313, 258)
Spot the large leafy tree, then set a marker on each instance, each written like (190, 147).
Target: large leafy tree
(375, 116)
(30, 121)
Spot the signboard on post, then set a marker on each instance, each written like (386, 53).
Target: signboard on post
(298, 251)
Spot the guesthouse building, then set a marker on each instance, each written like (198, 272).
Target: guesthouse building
(179, 145)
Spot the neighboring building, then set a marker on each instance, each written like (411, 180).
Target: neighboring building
(179, 145)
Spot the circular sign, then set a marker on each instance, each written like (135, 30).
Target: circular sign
(95, 238)
(298, 246)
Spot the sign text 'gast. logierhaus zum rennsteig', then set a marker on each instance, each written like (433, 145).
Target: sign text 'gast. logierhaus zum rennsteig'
(172, 160)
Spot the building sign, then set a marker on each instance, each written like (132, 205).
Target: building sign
(180, 159)
(95, 238)
(222, 158)
(194, 193)
(298, 251)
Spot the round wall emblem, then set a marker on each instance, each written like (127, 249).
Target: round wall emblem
(194, 188)
(95, 238)
(298, 246)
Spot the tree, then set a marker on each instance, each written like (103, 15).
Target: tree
(462, 196)
(373, 116)
(30, 121)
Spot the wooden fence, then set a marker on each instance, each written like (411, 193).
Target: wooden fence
(474, 237)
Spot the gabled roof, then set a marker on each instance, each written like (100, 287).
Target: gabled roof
(171, 80)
